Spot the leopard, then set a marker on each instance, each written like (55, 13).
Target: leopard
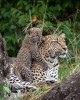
(52, 48)
(28, 53)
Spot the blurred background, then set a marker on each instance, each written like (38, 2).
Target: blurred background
(56, 16)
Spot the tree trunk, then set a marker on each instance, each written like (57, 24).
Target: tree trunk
(4, 60)
(67, 90)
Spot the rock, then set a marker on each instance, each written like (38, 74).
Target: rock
(67, 90)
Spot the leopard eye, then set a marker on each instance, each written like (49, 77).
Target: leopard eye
(53, 41)
(57, 40)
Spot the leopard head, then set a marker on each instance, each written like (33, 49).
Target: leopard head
(35, 35)
(55, 45)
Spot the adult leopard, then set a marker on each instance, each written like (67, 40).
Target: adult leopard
(53, 46)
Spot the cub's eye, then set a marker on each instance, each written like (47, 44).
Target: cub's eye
(64, 41)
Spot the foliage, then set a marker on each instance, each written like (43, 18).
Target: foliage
(15, 15)
(3, 88)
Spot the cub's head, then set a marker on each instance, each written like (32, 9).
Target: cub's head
(55, 45)
(35, 35)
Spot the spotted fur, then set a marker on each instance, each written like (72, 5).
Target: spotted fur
(16, 85)
(52, 48)
(29, 52)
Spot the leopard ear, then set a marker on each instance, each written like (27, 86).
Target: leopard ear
(62, 35)
(40, 29)
(28, 32)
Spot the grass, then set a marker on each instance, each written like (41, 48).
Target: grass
(35, 95)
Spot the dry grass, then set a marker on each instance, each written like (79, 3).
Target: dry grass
(43, 88)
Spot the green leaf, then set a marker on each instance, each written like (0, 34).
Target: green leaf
(6, 88)
(48, 23)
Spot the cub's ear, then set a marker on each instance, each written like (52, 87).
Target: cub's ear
(41, 29)
(62, 35)
(28, 31)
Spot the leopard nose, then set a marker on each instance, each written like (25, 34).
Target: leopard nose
(64, 48)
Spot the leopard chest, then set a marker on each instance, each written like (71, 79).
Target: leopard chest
(52, 73)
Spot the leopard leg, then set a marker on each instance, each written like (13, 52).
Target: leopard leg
(26, 74)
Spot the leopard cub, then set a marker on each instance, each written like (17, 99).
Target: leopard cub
(28, 53)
